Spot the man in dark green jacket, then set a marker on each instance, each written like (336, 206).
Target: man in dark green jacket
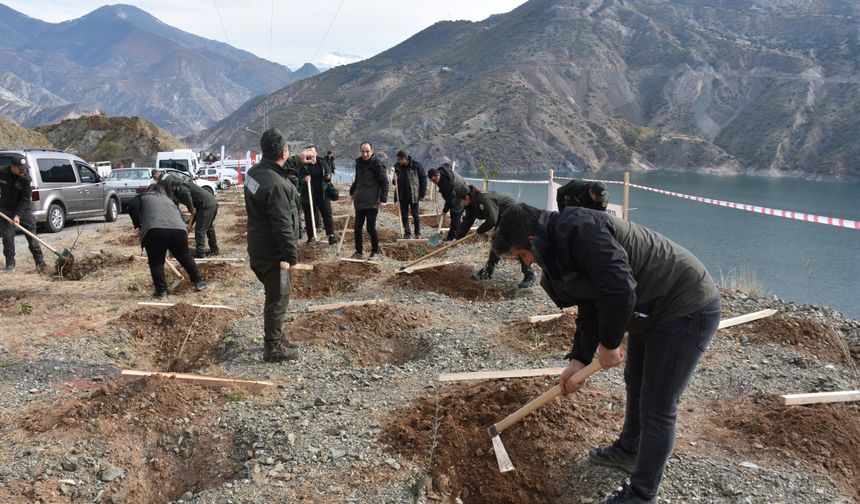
(411, 188)
(17, 204)
(487, 206)
(272, 205)
(318, 175)
(623, 276)
(369, 191)
(203, 207)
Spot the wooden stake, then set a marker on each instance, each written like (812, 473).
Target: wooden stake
(743, 319)
(207, 306)
(425, 266)
(209, 381)
(626, 195)
(342, 236)
(492, 375)
(350, 259)
(821, 397)
(534, 319)
(337, 306)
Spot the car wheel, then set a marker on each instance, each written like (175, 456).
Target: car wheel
(211, 191)
(56, 218)
(112, 211)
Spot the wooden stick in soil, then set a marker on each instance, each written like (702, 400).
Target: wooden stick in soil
(311, 207)
(342, 236)
(440, 249)
(821, 397)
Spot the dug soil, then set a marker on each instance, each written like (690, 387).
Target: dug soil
(446, 434)
(81, 267)
(159, 334)
(409, 251)
(544, 338)
(453, 280)
(331, 279)
(368, 335)
(213, 272)
(805, 335)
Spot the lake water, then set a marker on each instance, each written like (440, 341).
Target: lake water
(794, 260)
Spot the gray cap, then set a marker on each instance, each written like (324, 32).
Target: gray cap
(272, 143)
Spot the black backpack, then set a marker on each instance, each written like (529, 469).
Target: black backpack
(576, 193)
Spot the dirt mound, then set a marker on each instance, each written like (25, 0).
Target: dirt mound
(310, 252)
(213, 272)
(240, 227)
(550, 337)
(331, 279)
(13, 301)
(385, 235)
(454, 280)
(238, 239)
(162, 438)
(377, 334)
(825, 435)
(804, 334)
(159, 335)
(126, 240)
(447, 435)
(88, 265)
(408, 251)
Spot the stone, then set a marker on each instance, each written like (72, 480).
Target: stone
(749, 465)
(109, 474)
(319, 401)
(337, 454)
(393, 463)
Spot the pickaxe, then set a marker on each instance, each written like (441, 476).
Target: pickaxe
(502, 457)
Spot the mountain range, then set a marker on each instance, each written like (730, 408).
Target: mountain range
(122, 61)
(766, 86)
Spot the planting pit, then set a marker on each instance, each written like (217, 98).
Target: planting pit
(12, 301)
(147, 441)
(826, 436)
(550, 337)
(125, 240)
(81, 267)
(368, 335)
(310, 252)
(159, 333)
(453, 280)
(464, 465)
(385, 235)
(213, 272)
(408, 251)
(331, 278)
(240, 226)
(804, 335)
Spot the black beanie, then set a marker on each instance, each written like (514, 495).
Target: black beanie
(272, 143)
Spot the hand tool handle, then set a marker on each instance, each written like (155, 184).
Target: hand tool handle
(397, 198)
(311, 207)
(546, 397)
(431, 254)
(342, 236)
(28, 233)
(298, 266)
(173, 268)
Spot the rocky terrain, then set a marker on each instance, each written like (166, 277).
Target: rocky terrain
(121, 61)
(121, 140)
(361, 416)
(13, 136)
(762, 86)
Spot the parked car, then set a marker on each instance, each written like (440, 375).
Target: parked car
(65, 187)
(223, 177)
(129, 182)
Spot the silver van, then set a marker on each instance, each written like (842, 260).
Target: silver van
(65, 187)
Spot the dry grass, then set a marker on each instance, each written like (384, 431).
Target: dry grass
(742, 280)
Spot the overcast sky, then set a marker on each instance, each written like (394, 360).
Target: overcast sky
(361, 27)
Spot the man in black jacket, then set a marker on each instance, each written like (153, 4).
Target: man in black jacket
(272, 205)
(369, 191)
(446, 179)
(623, 277)
(411, 189)
(17, 204)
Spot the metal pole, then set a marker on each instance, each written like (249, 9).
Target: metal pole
(626, 194)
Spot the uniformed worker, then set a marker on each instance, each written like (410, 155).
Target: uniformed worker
(16, 203)
(623, 277)
(203, 207)
(489, 207)
(272, 205)
(446, 179)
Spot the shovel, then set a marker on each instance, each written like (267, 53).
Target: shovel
(446, 247)
(176, 272)
(502, 457)
(65, 259)
(437, 238)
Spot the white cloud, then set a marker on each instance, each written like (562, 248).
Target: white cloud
(334, 59)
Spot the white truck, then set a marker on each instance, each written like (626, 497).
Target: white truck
(178, 159)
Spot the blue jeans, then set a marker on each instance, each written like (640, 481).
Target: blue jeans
(661, 359)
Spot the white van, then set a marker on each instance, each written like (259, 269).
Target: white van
(178, 159)
(103, 168)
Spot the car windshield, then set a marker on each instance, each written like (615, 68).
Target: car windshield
(128, 175)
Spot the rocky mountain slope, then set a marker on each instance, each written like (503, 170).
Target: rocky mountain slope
(13, 136)
(123, 61)
(768, 86)
(120, 140)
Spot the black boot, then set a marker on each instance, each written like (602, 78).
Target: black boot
(484, 273)
(279, 351)
(528, 280)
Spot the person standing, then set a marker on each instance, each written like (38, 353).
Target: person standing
(487, 206)
(16, 203)
(446, 179)
(411, 189)
(158, 223)
(319, 175)
(623, 277)
(272, 206)
(369, 191)
(203, 207)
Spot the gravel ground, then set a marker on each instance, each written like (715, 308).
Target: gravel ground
(315, 437)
